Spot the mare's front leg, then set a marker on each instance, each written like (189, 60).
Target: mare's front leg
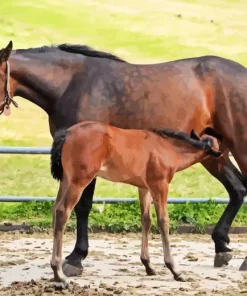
(159, 191)
(231, 178)
(72, 265)
(146, 221)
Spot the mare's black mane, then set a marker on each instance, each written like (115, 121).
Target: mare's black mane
(72, 48)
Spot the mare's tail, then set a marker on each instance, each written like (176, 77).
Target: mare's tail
(56, 152)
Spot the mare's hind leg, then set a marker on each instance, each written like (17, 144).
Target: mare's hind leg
(231, 178)
(72, 264)
(240, 155)
(146, 220)
(67, 199)
(159, 191)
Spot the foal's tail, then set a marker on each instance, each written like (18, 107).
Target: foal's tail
(56, 152)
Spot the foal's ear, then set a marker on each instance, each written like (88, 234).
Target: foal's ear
(194, 135)
(215, 153)
(5, 53)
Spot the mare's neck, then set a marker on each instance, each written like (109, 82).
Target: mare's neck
(41, 78)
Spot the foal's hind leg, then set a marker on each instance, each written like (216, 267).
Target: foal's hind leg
(72, 265)
(146, 220)
(159, 192)
(68, 198)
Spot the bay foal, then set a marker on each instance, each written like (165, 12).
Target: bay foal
(141, 158)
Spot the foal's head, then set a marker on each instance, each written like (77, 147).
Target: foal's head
(5, 97)
(210, 141)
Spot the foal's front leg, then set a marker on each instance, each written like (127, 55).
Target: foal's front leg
(146, 220)
(159, 192)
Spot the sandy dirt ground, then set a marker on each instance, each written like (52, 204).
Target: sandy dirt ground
(113, 266)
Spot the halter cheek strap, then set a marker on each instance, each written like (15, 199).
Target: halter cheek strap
(7, 96)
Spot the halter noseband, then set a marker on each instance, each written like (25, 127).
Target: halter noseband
(7, 96)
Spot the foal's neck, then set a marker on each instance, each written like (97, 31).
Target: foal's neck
(186, 154)
(189, 158)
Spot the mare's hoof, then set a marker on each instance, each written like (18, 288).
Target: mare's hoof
(222, 259)
(179, 278)
(243, 266)
(72, 268)
(151, 272)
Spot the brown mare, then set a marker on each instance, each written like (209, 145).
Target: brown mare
(74, 83)
(141, 158)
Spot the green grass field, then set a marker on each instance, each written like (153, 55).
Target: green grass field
(140, 31)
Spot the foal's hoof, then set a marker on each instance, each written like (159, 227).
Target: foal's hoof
(222, 259)
(72, 268)
(243, 267)
(60, 286)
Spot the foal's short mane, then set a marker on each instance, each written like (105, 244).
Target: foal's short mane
(72, 48)
(199, 144)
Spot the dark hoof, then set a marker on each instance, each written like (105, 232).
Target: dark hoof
(60, 286)
(222, 259)
(179, 278)
(72, 268)
(243, 267)
(151, 272)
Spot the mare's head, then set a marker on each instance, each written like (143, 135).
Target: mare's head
(210, 140)
(5, 92)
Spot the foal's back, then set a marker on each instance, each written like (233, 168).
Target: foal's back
(118, 155)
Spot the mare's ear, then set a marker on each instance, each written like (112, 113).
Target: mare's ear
(5, 53)
(215, 153)
(212, 132)
(194, 135)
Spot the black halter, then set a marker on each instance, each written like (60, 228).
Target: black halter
(7, 96)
